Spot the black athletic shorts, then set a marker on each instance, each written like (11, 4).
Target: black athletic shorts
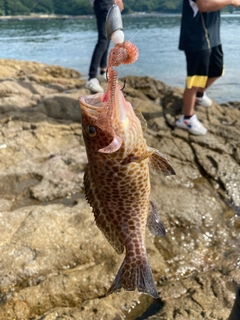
(202, 65)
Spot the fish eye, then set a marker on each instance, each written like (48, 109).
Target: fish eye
(90, 131)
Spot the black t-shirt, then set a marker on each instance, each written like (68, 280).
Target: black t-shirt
(104, 2)
(199, 30)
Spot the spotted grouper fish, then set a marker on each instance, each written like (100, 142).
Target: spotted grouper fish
(116, 179)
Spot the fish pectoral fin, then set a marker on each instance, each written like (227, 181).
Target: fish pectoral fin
(154, 223)
(114, 146)
(132, 158)
(160, 164)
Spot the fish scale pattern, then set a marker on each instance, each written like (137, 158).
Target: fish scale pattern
(116, 180)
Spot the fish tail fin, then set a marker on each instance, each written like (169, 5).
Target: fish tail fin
(133, 275)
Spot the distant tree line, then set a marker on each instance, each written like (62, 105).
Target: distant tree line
(83, 7)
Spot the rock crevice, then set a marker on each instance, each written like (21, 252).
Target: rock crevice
(54, 262)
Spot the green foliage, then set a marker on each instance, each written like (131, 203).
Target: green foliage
(153, 5)
(83, 7)
(169, 6)
(72, 7)
(42, 6)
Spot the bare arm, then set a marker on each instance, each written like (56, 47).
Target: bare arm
(213, 5)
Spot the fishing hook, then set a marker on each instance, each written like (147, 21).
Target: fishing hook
(124, 84)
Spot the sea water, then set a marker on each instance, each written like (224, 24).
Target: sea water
(70, 43)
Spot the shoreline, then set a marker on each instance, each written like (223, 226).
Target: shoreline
(90, 16)
(43, 16)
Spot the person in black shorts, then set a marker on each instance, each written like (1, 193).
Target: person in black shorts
(200, 40)
(100, 53)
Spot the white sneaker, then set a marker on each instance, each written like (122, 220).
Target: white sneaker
(102, 77)
(93, 85)
(192, 125)
(204, 101)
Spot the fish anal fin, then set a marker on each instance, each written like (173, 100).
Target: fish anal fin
(160, 164)
(154, 223)
(135, 275)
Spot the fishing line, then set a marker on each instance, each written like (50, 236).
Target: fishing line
(32, 7)
(134, 35)
(124, 84)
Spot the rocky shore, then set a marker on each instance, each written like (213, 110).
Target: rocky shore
(54, 262)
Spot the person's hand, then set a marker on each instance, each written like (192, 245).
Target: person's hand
(236, 3)
(121, 5)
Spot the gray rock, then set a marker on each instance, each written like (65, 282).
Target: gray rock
(54, 262)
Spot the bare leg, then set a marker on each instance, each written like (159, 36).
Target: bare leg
(189, 97)
(209, 83)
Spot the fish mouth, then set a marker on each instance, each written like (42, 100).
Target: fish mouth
(92, 104)
(95, 108)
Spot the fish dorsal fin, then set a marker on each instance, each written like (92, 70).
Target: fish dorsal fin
(159, 163)
(154, 223)
(103, 223)
(141, 118)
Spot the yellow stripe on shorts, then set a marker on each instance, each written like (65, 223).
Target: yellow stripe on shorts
(197, 81)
